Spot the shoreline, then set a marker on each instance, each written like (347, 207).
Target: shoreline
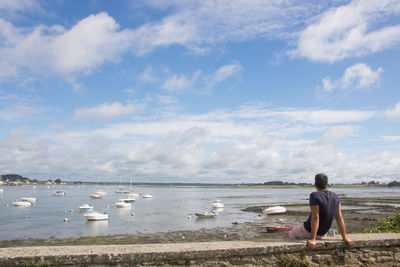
(364, 213)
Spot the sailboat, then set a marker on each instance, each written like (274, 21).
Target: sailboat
(99, 191)
(131, 193)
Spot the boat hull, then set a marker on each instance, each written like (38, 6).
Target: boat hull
(275, 210)
(94, 216)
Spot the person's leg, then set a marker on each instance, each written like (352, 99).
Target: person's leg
(299, 232)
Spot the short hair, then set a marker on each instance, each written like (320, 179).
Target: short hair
(321, 181)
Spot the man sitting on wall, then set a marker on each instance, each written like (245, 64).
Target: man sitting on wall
(325, 205)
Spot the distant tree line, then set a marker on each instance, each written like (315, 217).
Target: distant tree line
(22, 179)
(394, 183)
(14, 178)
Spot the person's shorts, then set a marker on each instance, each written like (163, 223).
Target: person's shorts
(300, 232)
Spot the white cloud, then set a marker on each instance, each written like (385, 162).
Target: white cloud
(48, 50)
(106, 111)
(147, 75)
(393, 112)
(198, 25)
(358, 76)
(179, 83)
(224, 73)
(352, 30)
(90, 43)
(254, 145)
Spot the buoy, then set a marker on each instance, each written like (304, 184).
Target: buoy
(71, 210)
(133, 214)
(65, 219)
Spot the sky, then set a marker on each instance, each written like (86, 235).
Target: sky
(202, 91)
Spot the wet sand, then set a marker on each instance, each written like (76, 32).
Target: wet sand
(364, 213)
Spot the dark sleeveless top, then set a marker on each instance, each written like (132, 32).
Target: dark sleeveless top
(328, 203)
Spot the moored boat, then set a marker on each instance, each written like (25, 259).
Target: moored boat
(100, 192)
(147, 196)
(29, 199)
(123, 204)
(275, 210)
(59, 193)
(127, 200)
(96, 196)
(96, 216)
(206, 214)
(21, 203)
(217, 204)
(86, 207)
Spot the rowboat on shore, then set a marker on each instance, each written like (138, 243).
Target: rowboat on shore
(275, 210)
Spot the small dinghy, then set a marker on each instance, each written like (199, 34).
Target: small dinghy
(22, 203)
(147, 196)
(29, 199)
(217, 204)
(59, 193)
(96, 196)
(275, 210)
(122, 204)
(86, 207)
(272, 229)
(206, 214)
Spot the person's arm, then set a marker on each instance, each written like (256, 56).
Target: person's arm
(342, 227)
(312, 243)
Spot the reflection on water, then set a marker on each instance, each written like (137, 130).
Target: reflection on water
(171, 208)
(97, 227)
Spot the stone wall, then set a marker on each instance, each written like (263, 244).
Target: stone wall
(369, 250)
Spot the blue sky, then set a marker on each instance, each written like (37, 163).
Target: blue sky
(200, 91)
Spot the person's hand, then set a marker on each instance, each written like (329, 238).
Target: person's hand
(311, 244)
(349, 242)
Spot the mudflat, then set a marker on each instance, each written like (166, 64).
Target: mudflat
(359, 213)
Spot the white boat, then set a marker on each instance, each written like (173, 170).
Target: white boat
(217, 204)
(275, 210)
(100, 192)
(21, 203)
(96, 216)
(147, 196)
(130, 194)
(121, 191)
(1, 190)
(206, 214)
(122, 204)
(127, 200)
(29, 199)
(59, 193)
(86, 207)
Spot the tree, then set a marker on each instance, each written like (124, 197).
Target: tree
(58, 181)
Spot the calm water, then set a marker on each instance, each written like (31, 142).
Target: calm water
(171, 208)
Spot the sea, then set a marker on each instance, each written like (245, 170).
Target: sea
(171, 208)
